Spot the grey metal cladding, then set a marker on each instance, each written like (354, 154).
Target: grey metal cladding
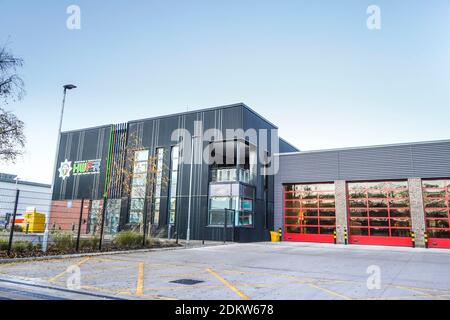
(393, 162)
(431, 160)
(421, 160)
(310, 167)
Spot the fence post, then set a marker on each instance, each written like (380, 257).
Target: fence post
(145, 219)
(102, 226)
(79, 225)
(13, 224)
(233, 222)
(225, 227)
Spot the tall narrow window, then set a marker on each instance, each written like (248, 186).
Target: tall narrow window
(158, 184)
(173, 183)
(138, 187)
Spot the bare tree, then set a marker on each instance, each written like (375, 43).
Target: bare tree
(12, 138)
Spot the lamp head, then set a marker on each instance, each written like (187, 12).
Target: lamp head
(69, 87)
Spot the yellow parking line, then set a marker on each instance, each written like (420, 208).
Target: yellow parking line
(333, 293)
(418, 289)
(78, 264)
(122, 292)
(140, 280)
(229, 285)
(444, 296)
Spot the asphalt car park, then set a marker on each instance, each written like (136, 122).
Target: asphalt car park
(241, 271)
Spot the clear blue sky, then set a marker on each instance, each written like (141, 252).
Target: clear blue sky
(311, 67)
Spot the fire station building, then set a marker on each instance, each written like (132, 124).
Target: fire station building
(395, 195)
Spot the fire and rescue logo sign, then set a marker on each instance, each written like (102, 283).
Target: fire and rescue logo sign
(65, 169)
(79, 168)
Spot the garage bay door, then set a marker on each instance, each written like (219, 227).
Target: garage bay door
(436, 197)
(309, 212)
(379, 213)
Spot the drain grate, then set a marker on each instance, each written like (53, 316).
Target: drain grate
(187, 282)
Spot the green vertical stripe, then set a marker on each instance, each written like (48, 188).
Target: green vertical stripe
(108, 164)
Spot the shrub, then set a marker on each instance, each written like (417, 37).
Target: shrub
(22, 246)
(3, 244)
(18, 228)
(128, 239)
(91, 243)
(63, 241)
(152, 242)
(160, 243)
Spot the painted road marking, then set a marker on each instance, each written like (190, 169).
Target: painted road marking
(228, 285)
(140, 280)
(333, 293)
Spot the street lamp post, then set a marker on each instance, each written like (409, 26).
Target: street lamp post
(47, 218)
(188, 231)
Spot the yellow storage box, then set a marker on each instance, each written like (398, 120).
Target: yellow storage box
(275, 236)
(35, 222)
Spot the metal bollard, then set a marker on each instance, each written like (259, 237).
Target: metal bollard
(413, 239)
(280, 232)
(335, 236)
(425, 238)
(346, 236)
(27, 229)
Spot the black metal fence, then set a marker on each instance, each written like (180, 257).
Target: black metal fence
(32, 224)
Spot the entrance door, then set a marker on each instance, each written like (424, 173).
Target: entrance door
(436, 197)
(379, 213)
(309, 212)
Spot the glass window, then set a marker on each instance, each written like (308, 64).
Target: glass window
(158, 185)
(137, 204)
(141, 156)
(95, 217)
(292, 229)
(247, 204)
(436, 213)
(138, 192)
(379, 232)
(138, 187)
(216, 218)
(245, 218)
(174, 164)
(219, 203)
(359, 222)
(140, 167)
(112, 216)
(242, 208)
